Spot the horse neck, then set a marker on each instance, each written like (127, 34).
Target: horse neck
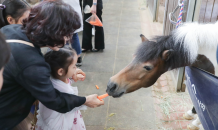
(177, 61)
(201, 62)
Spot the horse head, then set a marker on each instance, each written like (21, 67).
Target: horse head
(143, 71)
(153, 58)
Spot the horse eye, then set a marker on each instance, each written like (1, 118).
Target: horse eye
(148, 68)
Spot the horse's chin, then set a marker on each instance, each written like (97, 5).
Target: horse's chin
(118, 95)
(115, 94)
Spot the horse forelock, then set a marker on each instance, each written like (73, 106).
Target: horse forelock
(152, 50)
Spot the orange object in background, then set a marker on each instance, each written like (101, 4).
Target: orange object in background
(102, 96)
(94, 20)
(97, 86)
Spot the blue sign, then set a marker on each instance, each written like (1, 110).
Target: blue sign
(203, 90)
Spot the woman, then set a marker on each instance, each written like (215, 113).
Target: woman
(27, 75)
(13, 12)
(96, 7)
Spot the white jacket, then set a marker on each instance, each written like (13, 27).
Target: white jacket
(76, 6)
(51, 120)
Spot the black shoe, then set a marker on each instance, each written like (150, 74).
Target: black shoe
(79, 61)
(85, 50)
(97, 50)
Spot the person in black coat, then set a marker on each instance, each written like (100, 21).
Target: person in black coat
(27, 75)
(96, 7)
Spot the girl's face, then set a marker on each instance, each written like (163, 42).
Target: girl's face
(25, 15)
(13, 21)
(72, 68)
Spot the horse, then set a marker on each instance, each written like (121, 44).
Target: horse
(163, 53)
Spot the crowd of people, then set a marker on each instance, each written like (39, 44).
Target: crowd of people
(26, 75)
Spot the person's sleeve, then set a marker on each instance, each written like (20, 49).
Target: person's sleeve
(36, 79)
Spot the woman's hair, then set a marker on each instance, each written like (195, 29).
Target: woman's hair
(60, 59)
(4, 51)
(13, 8)
(49, 22)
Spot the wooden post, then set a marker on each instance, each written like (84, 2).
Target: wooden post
(157, 11)
(180, 79)
(154, 10)
(197, 10)
(165, 16)
(191, 11)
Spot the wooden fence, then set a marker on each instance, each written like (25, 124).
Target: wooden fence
(170, 5)
(208, 11)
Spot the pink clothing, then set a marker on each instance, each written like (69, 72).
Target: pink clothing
(51, 120)
(78, 123)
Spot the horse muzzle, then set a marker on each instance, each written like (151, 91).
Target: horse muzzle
(113, 90)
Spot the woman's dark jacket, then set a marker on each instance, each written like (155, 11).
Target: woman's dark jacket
(27, 78)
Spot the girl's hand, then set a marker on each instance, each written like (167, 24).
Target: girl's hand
(93, 9)
(80, 77)
(79, 71)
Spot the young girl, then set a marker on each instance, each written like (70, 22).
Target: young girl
(63, 67)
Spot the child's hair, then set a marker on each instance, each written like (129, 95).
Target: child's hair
(14, 8)
(4, 51)
(60, 59)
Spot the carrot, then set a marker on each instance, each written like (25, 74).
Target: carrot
(102, 96)
(97, 86)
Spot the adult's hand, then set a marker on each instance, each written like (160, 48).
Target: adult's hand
(78, 76)
(93, 9)
(92, 101)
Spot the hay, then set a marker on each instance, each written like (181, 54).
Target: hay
(168, 102)
(165, 102)
(112, 114)
(165, 106)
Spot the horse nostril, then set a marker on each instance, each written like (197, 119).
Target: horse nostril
(113, 88)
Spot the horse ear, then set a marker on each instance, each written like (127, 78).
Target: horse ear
(167, 54)
(144, 39)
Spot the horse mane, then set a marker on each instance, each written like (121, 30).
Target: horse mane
(195, 35)
(185, 42)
